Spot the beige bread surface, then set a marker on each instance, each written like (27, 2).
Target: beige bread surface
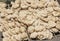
(29, 19)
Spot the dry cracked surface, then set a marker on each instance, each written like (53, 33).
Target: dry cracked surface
(29, 19)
